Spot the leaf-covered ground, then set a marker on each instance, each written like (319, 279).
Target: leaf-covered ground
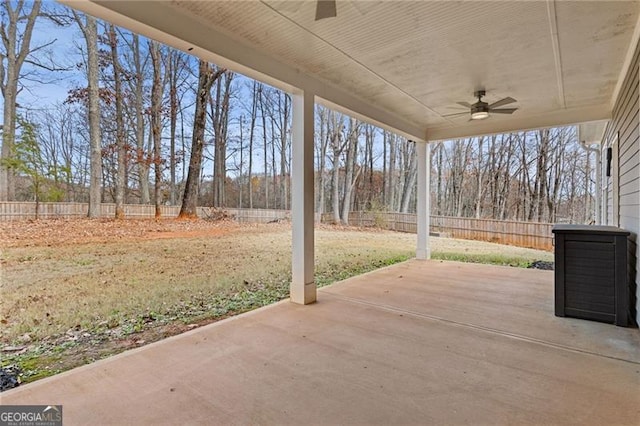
(73, 291)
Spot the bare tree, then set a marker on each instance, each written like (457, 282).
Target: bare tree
(284, 108)
(176, 65)
(351, 169)
(322, 143)
(337, 146)
(480, 172)
(393, 177)
(252, 129)
(207, 75)
(369, 189)
(410, 173)
(89, 29)
(262, 98)
(220, 117)
(136, 87)
(16, 34)
(437, 150)
(156, 107)
(119, 119)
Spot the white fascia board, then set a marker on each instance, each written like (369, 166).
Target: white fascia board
(592, 132)
(626, 65)
(163, 23)
(368, 111)
(558, 118)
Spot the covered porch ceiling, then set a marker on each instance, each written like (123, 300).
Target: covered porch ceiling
(404, 65)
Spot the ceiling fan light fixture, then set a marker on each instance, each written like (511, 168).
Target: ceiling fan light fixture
(479, 115)
(482, 110)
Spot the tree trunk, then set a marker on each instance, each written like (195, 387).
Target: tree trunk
(241, 163)
(370, 135)
(265, 144)
(350, 175)
(439, 189)
(337, 146)
(322, 158)
(479, 181)
(393, 178)
(284, 117)
(206, 78)
(385, 179)
(90, 31)
(411, 170)
(156, 106)
(17, 48)
(505, 188)
(120, 136)
(220, 124)
(541, 175)
(274, 178)
(254, 113)
(173, 118)
(141, 154)
(335, 186)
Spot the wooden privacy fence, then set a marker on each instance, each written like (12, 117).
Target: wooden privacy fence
(27, 210)
(258, 215)
(521, 234)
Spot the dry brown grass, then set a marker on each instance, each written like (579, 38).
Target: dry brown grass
(57, 275)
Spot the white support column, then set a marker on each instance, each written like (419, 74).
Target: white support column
(424, 196)
(303, 287)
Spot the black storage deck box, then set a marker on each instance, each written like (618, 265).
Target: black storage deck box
(591, 273)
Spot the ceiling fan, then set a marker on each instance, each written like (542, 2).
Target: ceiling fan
(482, 110)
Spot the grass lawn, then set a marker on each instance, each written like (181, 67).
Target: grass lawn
(75, 291)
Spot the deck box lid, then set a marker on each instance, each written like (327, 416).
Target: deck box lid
(589, 229)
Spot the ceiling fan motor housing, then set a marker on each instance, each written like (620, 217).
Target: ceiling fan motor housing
(479, 107)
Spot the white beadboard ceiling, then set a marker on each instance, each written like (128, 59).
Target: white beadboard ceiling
(405, 64)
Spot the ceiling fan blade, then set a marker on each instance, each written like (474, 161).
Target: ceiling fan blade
(325, 9)
(501, 102)
(503, 110)
(457, 114)
(464, 104)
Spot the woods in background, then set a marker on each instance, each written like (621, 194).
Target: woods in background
(542, 176)
(144, 123)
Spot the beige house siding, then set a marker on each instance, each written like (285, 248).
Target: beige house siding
(623, 187)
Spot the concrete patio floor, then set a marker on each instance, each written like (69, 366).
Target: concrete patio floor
(422, 342)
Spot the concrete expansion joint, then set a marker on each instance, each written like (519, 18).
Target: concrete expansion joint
(476, 327)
